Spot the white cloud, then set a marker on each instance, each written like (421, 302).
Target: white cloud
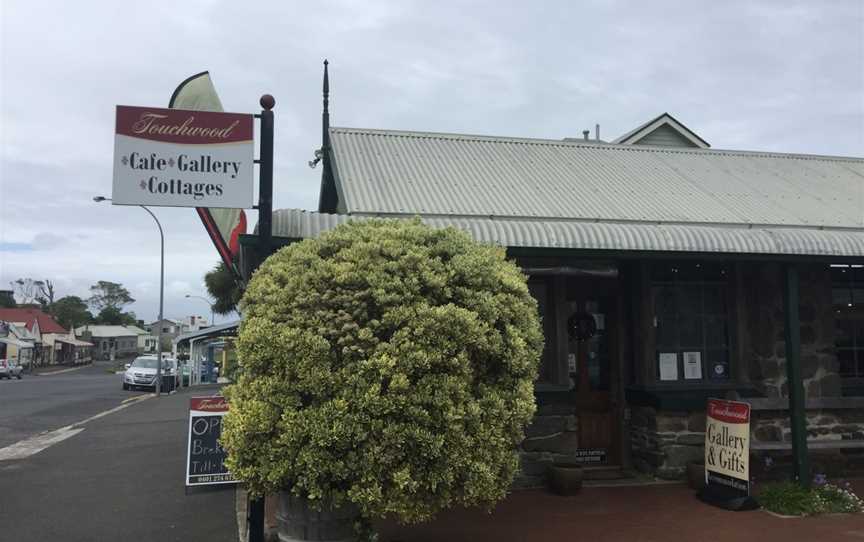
(779, 75)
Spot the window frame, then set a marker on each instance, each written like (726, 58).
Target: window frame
(857, 379)
(650, 375)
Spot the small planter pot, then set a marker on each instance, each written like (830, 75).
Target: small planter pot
(297, 521)
(696, 476)
(565, 479)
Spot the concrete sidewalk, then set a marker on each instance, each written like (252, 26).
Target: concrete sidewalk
(645, 514)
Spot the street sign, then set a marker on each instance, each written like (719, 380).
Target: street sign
(179, 158)
(727, 455)
(205, 457)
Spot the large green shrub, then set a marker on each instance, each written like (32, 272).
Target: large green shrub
(387, 364)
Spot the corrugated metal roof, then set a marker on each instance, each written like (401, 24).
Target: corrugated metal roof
(573, 234)
(405, 173)
(110, 331)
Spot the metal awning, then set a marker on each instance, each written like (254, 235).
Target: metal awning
(213, 331)
(614, 236)
(16, 342)
(73, 342)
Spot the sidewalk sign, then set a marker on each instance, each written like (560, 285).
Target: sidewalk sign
(727, 455)
(205, 458)
(179, 158)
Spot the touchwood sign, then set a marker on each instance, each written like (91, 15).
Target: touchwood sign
(178, 158)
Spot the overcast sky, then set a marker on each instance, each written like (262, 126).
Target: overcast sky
(780, 75)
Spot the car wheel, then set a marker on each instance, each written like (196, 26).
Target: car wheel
(19, 376)
(125, 386)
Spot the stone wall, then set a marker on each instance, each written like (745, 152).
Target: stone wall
(765, 341)
(553, 436)
(664, 442)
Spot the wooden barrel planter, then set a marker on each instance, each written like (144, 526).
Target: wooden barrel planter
(565, 479)
(297, 521)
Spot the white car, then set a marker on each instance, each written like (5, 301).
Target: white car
(10, 368)
(141, 373)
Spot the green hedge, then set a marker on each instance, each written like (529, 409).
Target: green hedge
(387, 364)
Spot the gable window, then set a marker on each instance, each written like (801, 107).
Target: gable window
(691, 322)
(847, 299)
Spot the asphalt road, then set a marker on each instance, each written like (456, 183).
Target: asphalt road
(40, 403)
(120, 478)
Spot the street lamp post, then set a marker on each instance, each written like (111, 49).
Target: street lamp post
(205, 300)
(158, 390)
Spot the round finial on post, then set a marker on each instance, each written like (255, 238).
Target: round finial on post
(267, 102)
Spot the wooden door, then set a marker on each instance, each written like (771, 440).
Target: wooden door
(594, 354)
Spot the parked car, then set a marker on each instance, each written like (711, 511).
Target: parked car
(10, 368)
(142, 373)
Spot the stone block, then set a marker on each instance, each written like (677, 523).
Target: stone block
(771, 369)
(534, 464)
(840, 429)
(643, 417)
(809, 365)
(768, 433)
(678, 456)
(691, 439)
(696, 422)
(671, 473)
(667, 423)
(546, 425)
(831, 385)
(555, 409)
(560, 443)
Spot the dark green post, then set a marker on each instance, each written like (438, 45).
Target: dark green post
(797, 414)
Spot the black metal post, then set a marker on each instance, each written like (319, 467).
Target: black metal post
(256, 520)
(265, 175)
(797, 413)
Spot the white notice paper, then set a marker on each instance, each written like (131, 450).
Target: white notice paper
(692, 365)
(668, 366)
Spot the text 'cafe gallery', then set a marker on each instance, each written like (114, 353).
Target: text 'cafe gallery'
(664, 270)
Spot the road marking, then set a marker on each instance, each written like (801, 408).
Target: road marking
(36, 444)
(51, 373)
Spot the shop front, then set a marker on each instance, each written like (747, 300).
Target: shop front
(664, 276)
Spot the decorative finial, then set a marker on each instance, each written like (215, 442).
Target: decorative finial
(267, 102)
(326, 86)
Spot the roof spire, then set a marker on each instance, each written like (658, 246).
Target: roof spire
(325, 120)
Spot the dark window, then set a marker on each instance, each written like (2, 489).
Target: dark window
(691, 322)
(539, 289)
(847, 297)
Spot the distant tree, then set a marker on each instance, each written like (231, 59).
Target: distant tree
(7, 299)
(26, 290)
(112, 316)
(71, 311)
(45, 294)
(223, 287)
(105, 294)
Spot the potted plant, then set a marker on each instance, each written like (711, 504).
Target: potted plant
(385, 369)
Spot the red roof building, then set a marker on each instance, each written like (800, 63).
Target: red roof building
(27, 316)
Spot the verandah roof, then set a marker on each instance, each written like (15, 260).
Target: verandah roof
(725, 239)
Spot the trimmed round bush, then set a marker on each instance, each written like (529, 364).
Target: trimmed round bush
(385, 364)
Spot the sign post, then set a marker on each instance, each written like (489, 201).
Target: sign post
(727, 455)
(205, 457)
